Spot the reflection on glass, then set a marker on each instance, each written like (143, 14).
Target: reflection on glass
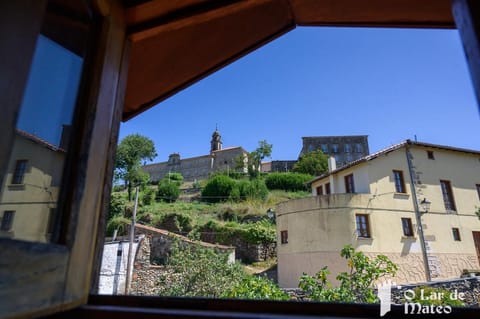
(29, 196)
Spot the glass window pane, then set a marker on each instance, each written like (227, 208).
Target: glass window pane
(29, 195)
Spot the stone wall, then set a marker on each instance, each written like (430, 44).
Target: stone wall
(469, 286)
(245, 251)
(153, 250)
(145, 275)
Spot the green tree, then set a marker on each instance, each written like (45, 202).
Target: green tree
(253, 287)
(313, 163)
(199, 272)
(255, 158)
(132, 152)
(355, 285)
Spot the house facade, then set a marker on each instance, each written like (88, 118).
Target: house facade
(30, 191)
(374, 205)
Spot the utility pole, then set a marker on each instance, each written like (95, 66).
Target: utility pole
(130, 244)
(418, 215)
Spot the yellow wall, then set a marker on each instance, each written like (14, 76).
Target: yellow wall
(33, 199)
(318, 227)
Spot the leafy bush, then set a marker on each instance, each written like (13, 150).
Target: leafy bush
(176, 222)
(252, 287)
(262, 232)
(287, 181)
(118, 188)
(147, 196)
(177, 178)
(117, 205)
(218, 188)
(199, 272)
(254, 189)
(168, 191)
(221, 188)
(118, 222)
(355, 285)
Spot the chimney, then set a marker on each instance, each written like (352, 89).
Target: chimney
(332, 164)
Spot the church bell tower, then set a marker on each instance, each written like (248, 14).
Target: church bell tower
(216, 142)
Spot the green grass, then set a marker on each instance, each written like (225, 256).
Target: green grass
(201, 212)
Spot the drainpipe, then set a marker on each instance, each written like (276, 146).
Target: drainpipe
(418, 215)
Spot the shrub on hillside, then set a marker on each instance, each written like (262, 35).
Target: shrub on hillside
(218, 188)
(221, 188)
(117, 205)
(287, 181)
(174, 177)
(262, 232)
(168, 191)
(252, 189)
(175, 222)
(118, 223)
(147, 196)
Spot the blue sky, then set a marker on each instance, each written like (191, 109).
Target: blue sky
(53, 82)
(389, 84)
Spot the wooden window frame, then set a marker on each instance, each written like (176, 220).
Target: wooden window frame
(448, 197)
(407, 227)
(456, 234)
(284, 237)
(57, 281)
(399, 182)
(319, 190)
(328, 190)
(362, 223)
(99, 304)
(349, 184)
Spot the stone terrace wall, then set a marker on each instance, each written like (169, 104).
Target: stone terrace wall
(245, 251)
(156, 245)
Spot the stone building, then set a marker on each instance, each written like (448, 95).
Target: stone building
(345, 149)
(280, 166)
(200, 167)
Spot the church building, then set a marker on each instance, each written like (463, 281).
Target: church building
(199, 167)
